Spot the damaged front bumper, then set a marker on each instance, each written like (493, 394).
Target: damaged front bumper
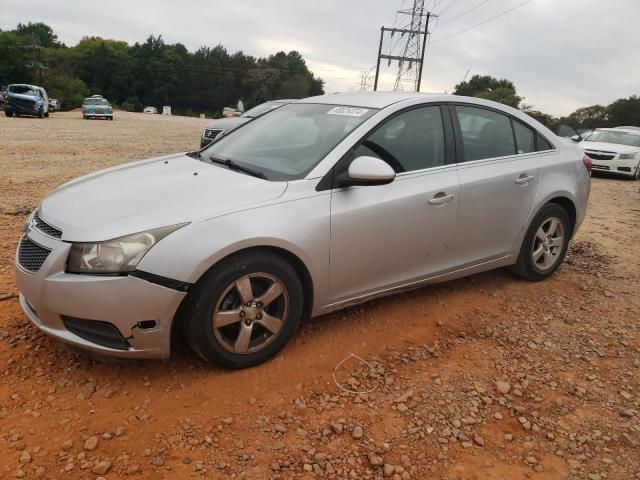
(121, 316)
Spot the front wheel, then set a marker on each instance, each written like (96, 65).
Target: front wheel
(41, 113)
(636, 176)
(244, 310)
(8, 113)
(545, 244)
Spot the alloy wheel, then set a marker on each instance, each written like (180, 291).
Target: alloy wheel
(250, 313)
(548, 243)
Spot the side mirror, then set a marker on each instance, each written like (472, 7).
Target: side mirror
(365, 171)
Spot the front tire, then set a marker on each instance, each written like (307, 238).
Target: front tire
(545, 244)
(244, 310)
(8, 113)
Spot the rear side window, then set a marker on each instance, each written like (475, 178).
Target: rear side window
(485, 133)
(525, 138)
(412, 140)
(542, 144)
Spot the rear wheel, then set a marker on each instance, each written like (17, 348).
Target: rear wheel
(244, 311)
(545, 244)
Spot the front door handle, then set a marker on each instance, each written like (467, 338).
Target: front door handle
(524, 179)
(441, 198)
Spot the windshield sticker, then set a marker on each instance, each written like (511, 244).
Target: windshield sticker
(347, 111)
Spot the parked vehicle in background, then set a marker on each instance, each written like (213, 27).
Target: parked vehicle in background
(221, 126)
(153, 110)
(54, 105)
(25, 99)
(321, 204)
(615, 150)
(96, 106)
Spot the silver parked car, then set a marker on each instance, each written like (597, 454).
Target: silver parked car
(219, 127)
(323, 203)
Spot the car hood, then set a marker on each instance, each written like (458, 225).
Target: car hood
(19, 96)
(228, 123)
(608, 147)
(149, 194)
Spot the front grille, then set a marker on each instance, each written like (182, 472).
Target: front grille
(31, 256)
(45, 228)
(212, 133)
(100, 333)
(600, 167)
(600, 155)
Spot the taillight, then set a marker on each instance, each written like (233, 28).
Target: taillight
(586, 160)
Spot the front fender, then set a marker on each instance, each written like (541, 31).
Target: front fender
(300, 226)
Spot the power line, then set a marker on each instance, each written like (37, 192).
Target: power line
(449, 6)
(481, 23)
(463, 13)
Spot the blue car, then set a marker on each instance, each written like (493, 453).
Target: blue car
(96, 106)
(24, 99)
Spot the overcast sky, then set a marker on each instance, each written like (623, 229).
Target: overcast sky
(561, 54)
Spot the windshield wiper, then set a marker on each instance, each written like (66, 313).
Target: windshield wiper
(240, 168)
(195, 154)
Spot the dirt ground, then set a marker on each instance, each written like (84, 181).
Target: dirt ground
(487, 377)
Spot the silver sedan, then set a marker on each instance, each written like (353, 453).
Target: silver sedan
(323, 203)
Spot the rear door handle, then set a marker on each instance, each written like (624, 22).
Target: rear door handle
(441, 198)
(524, 179)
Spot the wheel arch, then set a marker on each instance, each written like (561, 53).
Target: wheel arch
(294, 260)
(568, 205)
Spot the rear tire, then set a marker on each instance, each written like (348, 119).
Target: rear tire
(545, 244)
(244, 310)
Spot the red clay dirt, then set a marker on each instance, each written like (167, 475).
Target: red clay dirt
(487, 377)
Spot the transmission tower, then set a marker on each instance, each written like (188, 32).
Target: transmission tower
(414, 37)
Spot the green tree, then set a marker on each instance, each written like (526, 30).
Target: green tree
(489, 88)
(594, 116)
(13, 63)
(625, 111)
(39, 32)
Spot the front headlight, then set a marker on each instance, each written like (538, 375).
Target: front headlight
(120, 255)
(627, 156)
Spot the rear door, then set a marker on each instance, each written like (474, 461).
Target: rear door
(499, 177)
(389, 235)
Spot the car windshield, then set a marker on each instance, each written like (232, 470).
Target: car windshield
(24, 90)
(289, 142)
(262, 108)
(621, 138)
(96, 101)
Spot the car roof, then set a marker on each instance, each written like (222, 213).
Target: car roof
(375, 99)
(22, 85)
(631, 131)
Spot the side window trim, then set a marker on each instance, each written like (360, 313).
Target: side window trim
(459, 145)
(327, 182)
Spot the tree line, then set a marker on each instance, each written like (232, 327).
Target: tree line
(624, 111)
(152, 73)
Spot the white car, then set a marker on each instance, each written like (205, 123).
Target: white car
(150, 110)
(615, 150)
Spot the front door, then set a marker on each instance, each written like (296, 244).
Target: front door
(391, 235)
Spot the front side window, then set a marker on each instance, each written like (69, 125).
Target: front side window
(288, 142)
(412, 140)
(485, 133)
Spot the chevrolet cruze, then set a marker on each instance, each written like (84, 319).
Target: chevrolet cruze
(323, 203)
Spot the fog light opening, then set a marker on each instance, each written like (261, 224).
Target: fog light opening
(147, 324)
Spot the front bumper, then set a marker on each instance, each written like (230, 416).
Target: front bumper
(98, 115)
(616, 166)
(22, 107)
(128, 303)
